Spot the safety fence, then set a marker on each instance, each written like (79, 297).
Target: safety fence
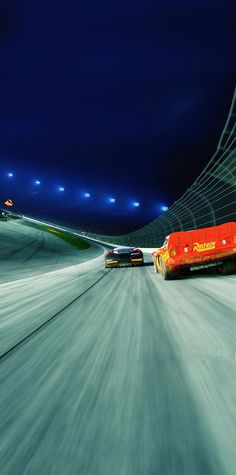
(211, 199)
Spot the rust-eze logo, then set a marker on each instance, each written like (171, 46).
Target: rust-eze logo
(206, 246)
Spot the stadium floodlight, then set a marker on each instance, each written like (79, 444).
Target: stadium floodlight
(87, 195)
(136, 204)
(10, 174)
(164, 208)
(61, 188)
(37, 182)
(112, 200)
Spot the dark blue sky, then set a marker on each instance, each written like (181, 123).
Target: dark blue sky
(126, 98)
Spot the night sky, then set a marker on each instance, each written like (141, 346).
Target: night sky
(125, 99)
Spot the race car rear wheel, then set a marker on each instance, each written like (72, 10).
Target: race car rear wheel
(226, 268)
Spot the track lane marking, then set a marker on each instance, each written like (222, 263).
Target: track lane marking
(27, 337)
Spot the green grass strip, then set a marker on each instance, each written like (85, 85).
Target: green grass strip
(71, 239)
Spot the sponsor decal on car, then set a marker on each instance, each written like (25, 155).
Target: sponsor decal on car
(165, 256)
(206, 246)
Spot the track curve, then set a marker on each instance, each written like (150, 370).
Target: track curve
(137, 377)
(26, 251)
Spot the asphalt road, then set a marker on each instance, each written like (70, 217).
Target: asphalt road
(116, 372)
(26, 251)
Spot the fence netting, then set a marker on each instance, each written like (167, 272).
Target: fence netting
(211, 199)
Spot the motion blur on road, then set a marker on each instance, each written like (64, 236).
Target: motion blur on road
(112, 372)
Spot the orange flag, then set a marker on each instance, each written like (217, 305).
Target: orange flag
(8, 203)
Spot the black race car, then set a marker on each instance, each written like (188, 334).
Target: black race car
(123, 256)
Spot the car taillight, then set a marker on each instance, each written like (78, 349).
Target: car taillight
(136, 251)
(173, 252)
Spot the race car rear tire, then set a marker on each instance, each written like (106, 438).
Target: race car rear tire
(226, 268)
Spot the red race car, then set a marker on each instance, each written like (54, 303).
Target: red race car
(186, 251)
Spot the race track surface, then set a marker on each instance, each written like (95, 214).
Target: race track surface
(116, 372)
(27, 251)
